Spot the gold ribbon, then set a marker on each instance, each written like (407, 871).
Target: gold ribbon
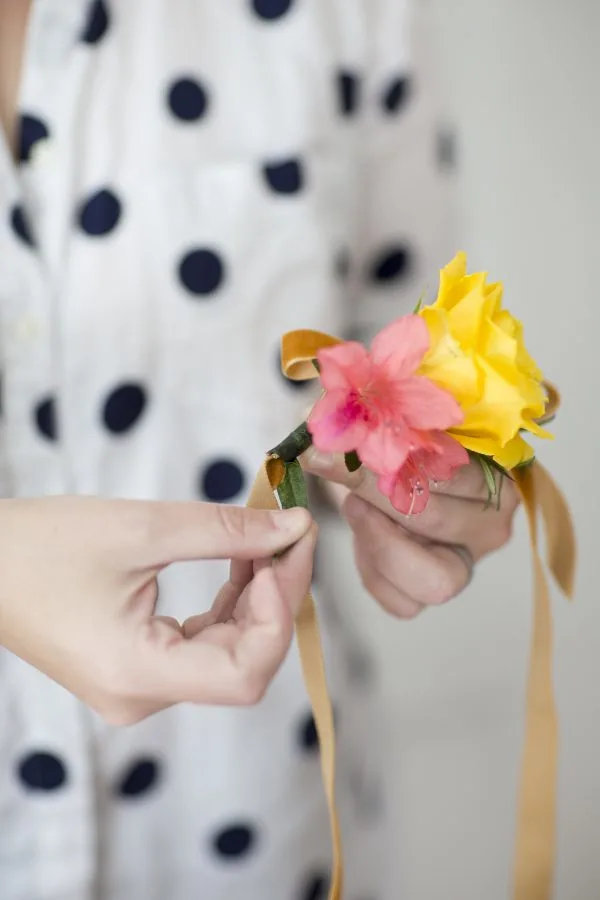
(536, 818)
(308, 638)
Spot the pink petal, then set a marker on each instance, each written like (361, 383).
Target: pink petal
(401, 346)
(344, 366)
(383, 449)
(338, 423)
(407, 490)
(441, 462)
(425, 406)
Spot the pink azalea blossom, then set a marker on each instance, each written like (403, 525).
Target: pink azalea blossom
(408, 488)
(374, 402)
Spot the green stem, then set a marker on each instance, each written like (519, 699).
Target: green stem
(293, 445)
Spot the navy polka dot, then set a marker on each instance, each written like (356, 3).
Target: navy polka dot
(342, 264)
(357, 333)
(42, 772)
(284, 177)
(308, 738)
(315, 888)
(396, 94)
(271, 9)
(100, 213)
(20, 225)
(393, 262)
(201, 271)
(45, 418)
(367, 795)
(97, 23)
(348, 86)
(359, 666)
(446, 149)
(222, 480)
(238, 840)
(187, 99)
(123, 407)
(31, 130)
(140, 778)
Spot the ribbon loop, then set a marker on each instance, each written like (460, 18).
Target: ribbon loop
(299, 349)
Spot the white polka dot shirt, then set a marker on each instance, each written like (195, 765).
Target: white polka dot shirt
(195, 178)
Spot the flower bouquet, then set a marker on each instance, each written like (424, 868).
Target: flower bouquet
(450, 383)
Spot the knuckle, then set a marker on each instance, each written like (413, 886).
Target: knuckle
(511, 499)
(232, 521)
(118, 713)
(501, 535)
(367, 578)
(144, 526)
(117, 703)
(252, 688)
(378, 553)
(434, 519)
(505, 531)
(442, 587)
(409, 611)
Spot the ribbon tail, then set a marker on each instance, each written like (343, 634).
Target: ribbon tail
(536, 822)
(313, 667)
(560, 531)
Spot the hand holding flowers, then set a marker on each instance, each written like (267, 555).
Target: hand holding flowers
(424, 428)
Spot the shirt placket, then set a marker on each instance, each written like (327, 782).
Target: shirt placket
(30, 308)
(33, 456)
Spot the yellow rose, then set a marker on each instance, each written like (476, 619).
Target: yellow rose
(478, 354)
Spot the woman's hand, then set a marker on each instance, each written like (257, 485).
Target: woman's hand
(78, 592)
(410, 562)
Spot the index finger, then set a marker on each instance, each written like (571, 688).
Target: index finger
(467, 484)
(177, 532)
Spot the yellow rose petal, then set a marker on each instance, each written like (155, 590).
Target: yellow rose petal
(516, 453)
(466, 318)
(478, 354)
(499, 412)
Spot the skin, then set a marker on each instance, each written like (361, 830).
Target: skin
(407, 562)
(78, 593)
(13, 24)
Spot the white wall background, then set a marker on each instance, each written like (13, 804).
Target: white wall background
(523, 79)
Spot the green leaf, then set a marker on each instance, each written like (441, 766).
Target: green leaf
(294, 444)
(490, 478)
(499, 494)
(352, 460)
(292, 490)
(419, 302)
(526, 464)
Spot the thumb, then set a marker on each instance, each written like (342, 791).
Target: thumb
(294, 571)
(188, 531)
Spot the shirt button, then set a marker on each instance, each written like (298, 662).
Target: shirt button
(42, 152)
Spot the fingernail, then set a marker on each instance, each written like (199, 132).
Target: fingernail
(317, 461)
(355, 508)
(294, 521)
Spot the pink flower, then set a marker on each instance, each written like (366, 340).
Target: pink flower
(375, 404)
(408, 488)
